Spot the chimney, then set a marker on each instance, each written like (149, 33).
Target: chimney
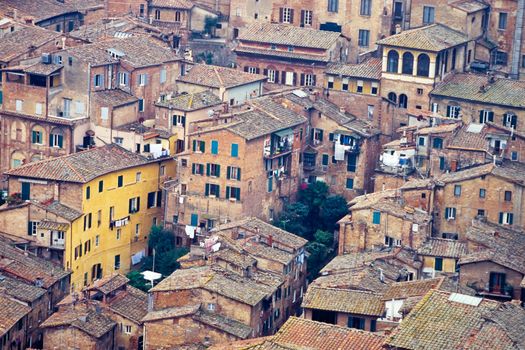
(15, 14)
(398, 28)
(63, 43)
(454, 165)
(270, 240)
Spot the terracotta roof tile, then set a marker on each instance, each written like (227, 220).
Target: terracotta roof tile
(114, 97)
(131, 303)
(369, 69)
(81, 167)
(469, 6)
(405, 290)
(12, 312)
(283, 34)
(83, 318)
(467, 86)
(41, 10)
(109, 283)
(435, 37)
(344, 300)
(176, 4)
(323, 57)
(223, 323)
(172, 312)
(22, 40)
(446, 248)
(24, 291)
(61, 210)
(216, 76)
(192, 101)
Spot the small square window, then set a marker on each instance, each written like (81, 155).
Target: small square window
(482, 193)
(508, 196)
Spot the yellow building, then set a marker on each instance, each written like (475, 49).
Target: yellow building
(362, 78)
(440, 255)
(104, 200)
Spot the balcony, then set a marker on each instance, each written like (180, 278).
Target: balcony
(279, 144)
(400, 169)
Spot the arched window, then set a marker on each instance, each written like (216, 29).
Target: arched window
(17, 159)
(392, 61)
(392, 97)
(37, 135)
(408, 63)
(403, 101)
(423, 64)
(56, 138)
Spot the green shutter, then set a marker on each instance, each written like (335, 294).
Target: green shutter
(207, 169)
(29, 228)
(26, 191)
(218, 194)
(218, 170)
(193, 168)
(194, 142)
(214, 147)
(228, 171)
(238, 194)
(60, 141)
(325, 159)
(207, 190)
(50, 140)
(239, 174)
(227, 192)
(202, 146)
(235, 150)
(194, 219)
(376, 217)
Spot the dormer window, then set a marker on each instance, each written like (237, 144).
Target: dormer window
(290, 48)
(273, 47)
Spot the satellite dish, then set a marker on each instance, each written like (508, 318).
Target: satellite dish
(151, 276)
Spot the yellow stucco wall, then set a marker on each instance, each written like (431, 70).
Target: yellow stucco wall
(449, 265)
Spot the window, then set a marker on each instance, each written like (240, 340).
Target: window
(38, 108)
(344, 85)
(199, 146)
(351, 165)
(437, 142)
(270, 184)
(403, 101)
(482, 193)
(127, 329)
(104, 113)
(508, 196)
(423, 65)
(87, 221)
(376, 217)
(134, 205)
(506, 218)
(123, 78)
(141, 10)
(408, 63)
(453, 59)
(457, 190)
(364, 37)
(88, 192)
(177, 16)
(37, 136)
(56, 139)
(118, 140)
(333, 5)
(117, 262)
(356, 322)
(141, 105)
(428, 14)
(19, 105)
(486, 116)
(514, 156)
(392, 97)
(214, 147)
(286, 15)
(453, 111)
(99, 218)
(98, 80)
(178, 120)
(306, 18)
(87, 246)
(31, 228)
(374, 89)
(308, 80)
(349, 184)
(197, 169)
(138, 176)
(137, 230)
(233, 173)
(212, 190)
(510, 120)
(499, 58)
(234, 150)
(120, 181)
(119, 231)
(233, 193)
(213, 170)
(325, 159)
(392, 61)
(481, 212)
(211, 307)
(366, 8)
(496, 282)
(502, 21)
(421, 141)
(441, 163)
(450, 213)
(317, 136)
(438, 264)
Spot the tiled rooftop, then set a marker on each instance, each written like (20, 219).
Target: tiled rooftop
(323, 58)
(114, 97)
(469, 6)
(468, 138)
(443, 320)
(23, 291)
(81, 167)
(39, 10)
(137, 52)
(369, 69)
(192, 101)
(282, 34)
(434, 37)
(223, 323)
(468, 86)
(441, 247)
(175, 4)
(61, 210)
(131, 303)
(171, 312)
(405, 290)
(511, 171)
(216, 76)
(344, 300)
(12, 312)
(20, 41)
(109, 283)
(29, 267)
(82, 318)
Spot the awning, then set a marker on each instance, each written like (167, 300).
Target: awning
(285, 132)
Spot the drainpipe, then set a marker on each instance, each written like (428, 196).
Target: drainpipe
(516, 42)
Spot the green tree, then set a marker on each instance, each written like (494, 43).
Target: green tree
(318, 253)
(314, 195)
(165, 262)
(332, 210)
(137, 280)
(161, 240)
(324, 237)
(293, 218)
